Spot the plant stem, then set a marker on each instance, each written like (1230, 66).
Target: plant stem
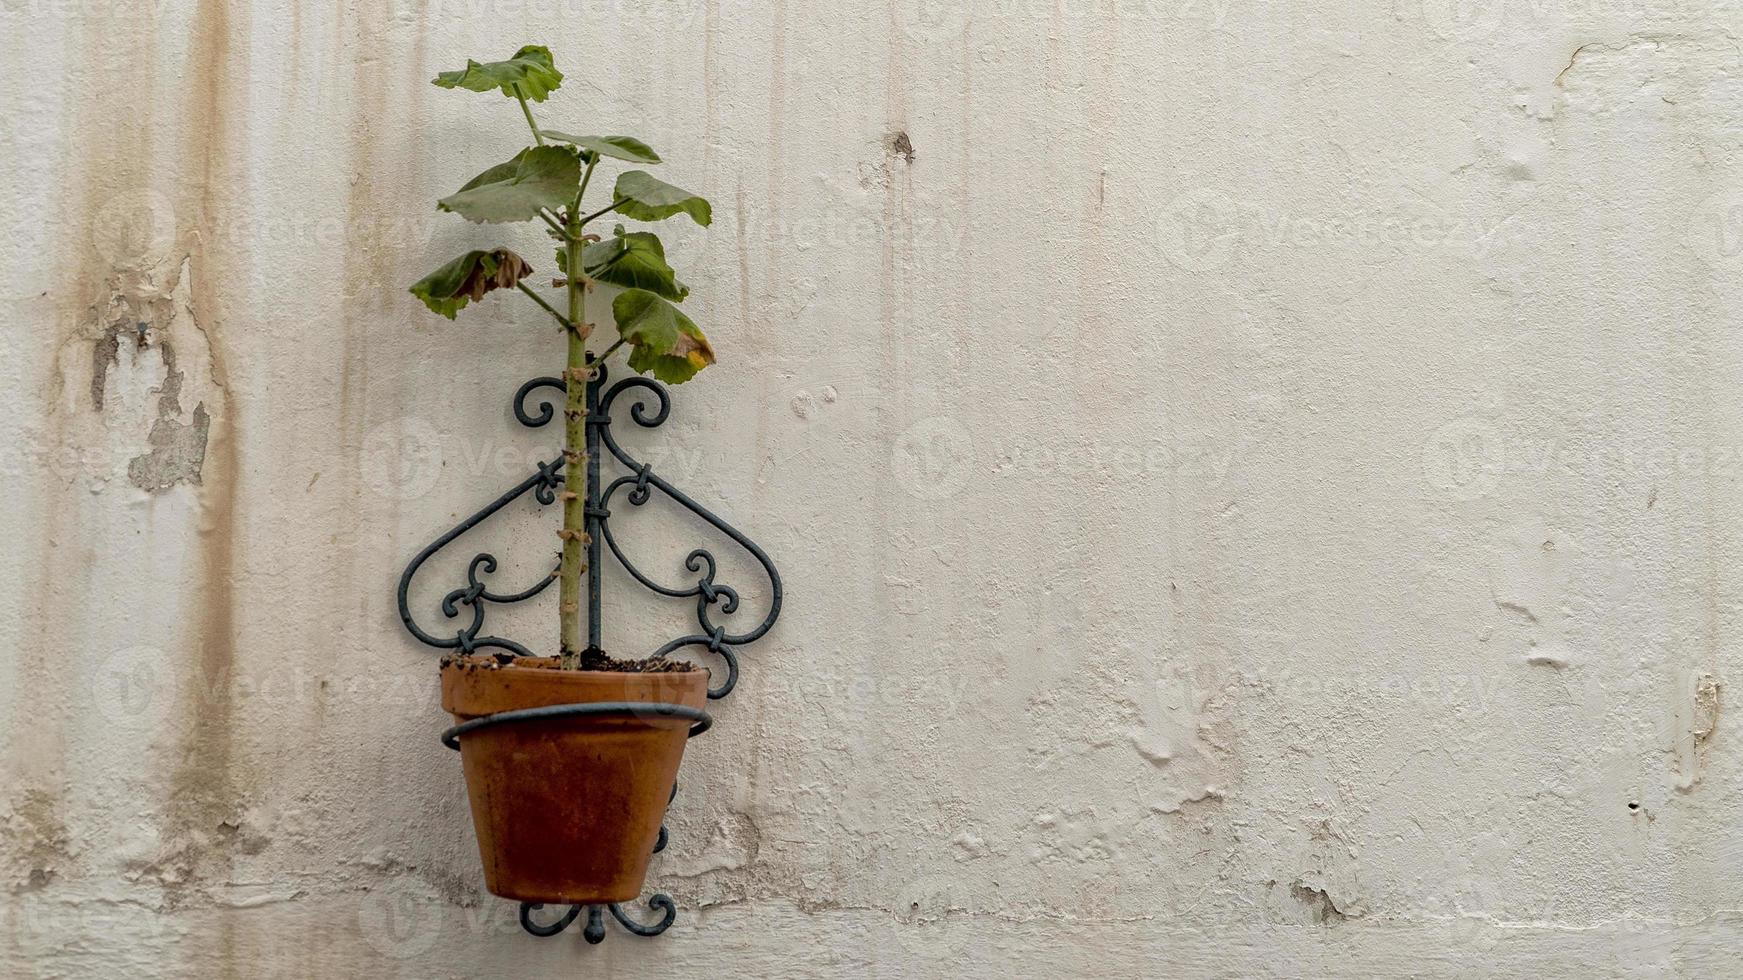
(574, 532)
(601, 358)
(586, 178)
(548, 307)
(604, 210)
(556, 225)
(527, 110)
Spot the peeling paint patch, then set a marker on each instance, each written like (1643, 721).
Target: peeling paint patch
(1572, 60)
(731, 843)
(1707, 688)
(969, 846)
(1516, 607)
(1319, 903)
(149, 358)
(1551, 654)
(178, 449)
(135, 309)
(898, 144)
(1183, 800)
(1157, 755)
(1696, 721)
(452, 887)
(178, 452)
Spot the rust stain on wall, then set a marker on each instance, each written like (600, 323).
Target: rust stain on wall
(107, 159)
(366, 271)
(105, 354)
(204, 790)
(217, 499)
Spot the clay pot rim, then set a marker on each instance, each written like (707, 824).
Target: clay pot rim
(527, 665)
(474, 687)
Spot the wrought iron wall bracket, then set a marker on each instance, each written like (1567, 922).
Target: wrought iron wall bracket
(713, 598)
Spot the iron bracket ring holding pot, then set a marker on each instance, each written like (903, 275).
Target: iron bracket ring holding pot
(703, 720)
(711, 595)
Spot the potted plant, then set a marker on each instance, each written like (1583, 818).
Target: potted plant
(567, 800)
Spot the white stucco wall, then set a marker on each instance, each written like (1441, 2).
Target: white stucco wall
(1258, 489)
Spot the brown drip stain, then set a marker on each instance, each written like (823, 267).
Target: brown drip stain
(367, 288)
(710, 95)
(110, 169)
(107, 157)
(205, 796)
(202, 779)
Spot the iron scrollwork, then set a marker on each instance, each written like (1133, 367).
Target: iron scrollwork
(650, 404)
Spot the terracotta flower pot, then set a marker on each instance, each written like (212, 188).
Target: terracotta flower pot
(568, 809)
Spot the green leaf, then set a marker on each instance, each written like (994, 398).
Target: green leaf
(469, 277)
(635, 259)
(663, 340)
(530, 71)
(652, 199)
(537, 177)
(622, 147)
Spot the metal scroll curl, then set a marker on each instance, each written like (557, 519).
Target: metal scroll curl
(650, 404)
(707, 591)
(543, 485)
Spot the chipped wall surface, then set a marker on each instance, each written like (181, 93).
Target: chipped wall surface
(1258, 483)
